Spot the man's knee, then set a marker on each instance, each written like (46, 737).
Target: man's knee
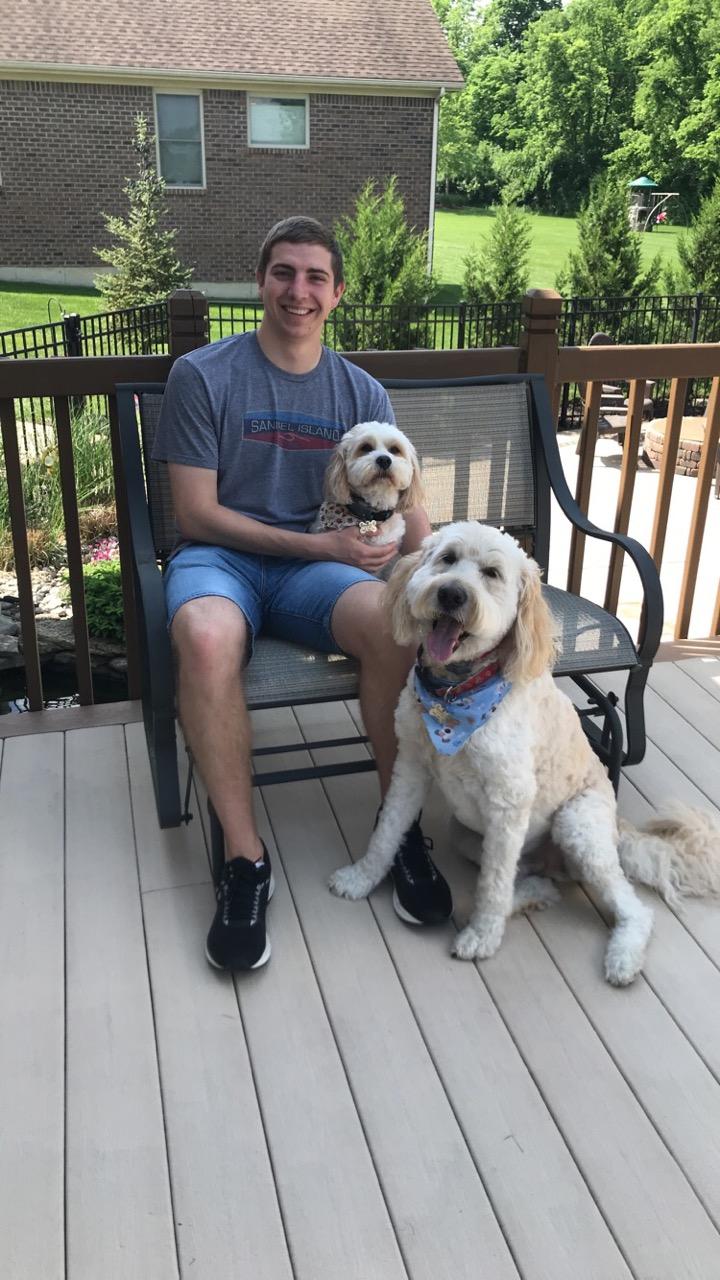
(210, 635)
(361, 625)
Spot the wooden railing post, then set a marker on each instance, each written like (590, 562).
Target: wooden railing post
(539, 339)
(187, 321)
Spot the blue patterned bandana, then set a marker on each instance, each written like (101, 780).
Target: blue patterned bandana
(453, 713)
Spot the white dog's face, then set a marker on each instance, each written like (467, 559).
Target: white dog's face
(376, 461)
(469, 588)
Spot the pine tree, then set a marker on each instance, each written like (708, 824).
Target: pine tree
(498, 271)
(146, 264)
(699, 251)
(608, 261)
(385, 264)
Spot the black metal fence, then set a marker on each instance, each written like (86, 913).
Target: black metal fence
(366, 327)
(132, 331)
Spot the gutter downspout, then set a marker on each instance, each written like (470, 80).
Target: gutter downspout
(433, 177)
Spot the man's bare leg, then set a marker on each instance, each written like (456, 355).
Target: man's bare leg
(209, 637)
(361, 628)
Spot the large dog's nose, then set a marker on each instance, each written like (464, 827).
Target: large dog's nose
(451, 596)
(384, 461)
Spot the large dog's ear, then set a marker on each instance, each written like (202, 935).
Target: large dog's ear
(403, 624)
(336, 487)
(532, 639)
(414, 495)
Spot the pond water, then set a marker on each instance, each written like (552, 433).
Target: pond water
(59, 688)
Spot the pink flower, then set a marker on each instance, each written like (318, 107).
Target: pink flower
(104, 549)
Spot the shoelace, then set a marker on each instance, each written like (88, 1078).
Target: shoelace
(418, 862)
(239, 896)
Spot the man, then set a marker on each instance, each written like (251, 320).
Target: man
(247, 427)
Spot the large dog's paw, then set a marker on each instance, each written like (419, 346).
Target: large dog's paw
(350, 882)
(626, 948)
(479, 941)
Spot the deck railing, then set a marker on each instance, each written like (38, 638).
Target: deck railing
(61, 382)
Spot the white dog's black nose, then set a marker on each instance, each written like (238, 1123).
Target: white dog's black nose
(451, 596)
(384, 461)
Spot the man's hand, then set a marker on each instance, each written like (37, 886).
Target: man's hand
(349, 546)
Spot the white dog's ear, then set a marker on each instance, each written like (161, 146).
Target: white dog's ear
(404, 627)
(532, 641)
(414, 495)
(336, 487)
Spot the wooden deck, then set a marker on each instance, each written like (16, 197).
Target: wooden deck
(365, 1108)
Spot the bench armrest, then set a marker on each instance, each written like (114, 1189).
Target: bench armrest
(652, 617)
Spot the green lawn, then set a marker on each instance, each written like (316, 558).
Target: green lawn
(457, 231)
(28, 304)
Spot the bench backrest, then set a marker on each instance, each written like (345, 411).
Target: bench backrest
(474, 439)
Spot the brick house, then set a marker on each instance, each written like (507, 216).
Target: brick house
(261, 108)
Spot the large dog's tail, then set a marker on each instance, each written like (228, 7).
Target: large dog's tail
(677, 853)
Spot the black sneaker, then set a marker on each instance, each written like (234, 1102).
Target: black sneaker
(420, 894)
(237, 937)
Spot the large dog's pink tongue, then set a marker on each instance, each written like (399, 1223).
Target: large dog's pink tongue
(443, 638)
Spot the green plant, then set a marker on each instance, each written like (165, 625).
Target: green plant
(608, 261)
(43, 496)
(92, 451)
(498, 270)
(103, 599)
(143, 255)
(699, 251)
(385, 264)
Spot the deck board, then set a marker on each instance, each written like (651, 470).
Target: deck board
(657, 1220)
(32, 1035)
(332, 1199)
(417, 1145)
(119, 1213)
(674, 1086)
(537, 1191)
(365, 1107)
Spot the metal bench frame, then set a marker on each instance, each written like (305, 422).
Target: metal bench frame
(600, 718)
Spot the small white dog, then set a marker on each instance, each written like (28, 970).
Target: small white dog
(482, 715)
(373, 476)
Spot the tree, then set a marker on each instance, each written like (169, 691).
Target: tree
(385, 264)
(146, 264)
(673, 131)
(573, 101)
(608, 261)
(699, 251)
(498, 271)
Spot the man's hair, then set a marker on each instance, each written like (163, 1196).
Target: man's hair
(300, 230)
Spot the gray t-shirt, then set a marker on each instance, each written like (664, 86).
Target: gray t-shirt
(268, 434)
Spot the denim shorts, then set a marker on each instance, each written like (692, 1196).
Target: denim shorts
(290, 599)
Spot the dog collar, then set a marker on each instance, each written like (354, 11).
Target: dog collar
(452, 713)
(363, 511)
(469, 677)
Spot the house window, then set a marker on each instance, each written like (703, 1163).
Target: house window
(180, 139)
(278, 122)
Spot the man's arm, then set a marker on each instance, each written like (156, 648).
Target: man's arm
(201, 518)
(417, 527)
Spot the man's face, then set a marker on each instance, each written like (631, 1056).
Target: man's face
(298, 290)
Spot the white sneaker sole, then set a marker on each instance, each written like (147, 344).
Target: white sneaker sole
(401, 912)
(263, 958)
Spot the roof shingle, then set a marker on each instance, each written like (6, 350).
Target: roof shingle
(393, 41)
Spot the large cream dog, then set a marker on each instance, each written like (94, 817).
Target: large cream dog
(482, 715)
